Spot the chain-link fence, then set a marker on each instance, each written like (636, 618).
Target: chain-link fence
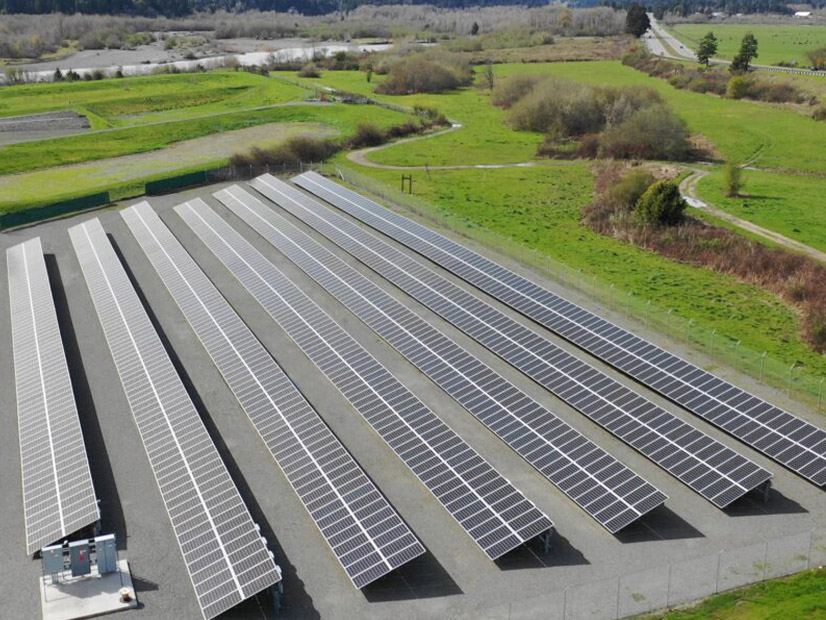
(667, 585)
(632, 309)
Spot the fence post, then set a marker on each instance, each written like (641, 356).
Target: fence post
(648, 313)
(565, 604)
(737, 356)
(619, 585)
(668, 323)
(668, 587)
(688, 331)
(762, 364)
(820, 393)
(713, 332)
(765, 559)
(628, 304)
(717, 581)
(811, 546)
(789, 387)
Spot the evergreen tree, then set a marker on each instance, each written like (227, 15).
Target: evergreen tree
(707, 48)
(747, 53)
(636, 20)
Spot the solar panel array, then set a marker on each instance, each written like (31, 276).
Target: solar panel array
(58, 495)
(495, 514)
(363, 530)
(713, 470)
(610, 492)
(796, 443)
(225, 555)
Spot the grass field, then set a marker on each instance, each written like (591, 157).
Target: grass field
(741, 130)
(541, 207)
(774, 43)
(791, 205)
(131, 101)
(28, 156)
(800, 597)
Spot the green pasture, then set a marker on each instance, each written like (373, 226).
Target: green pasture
(541, 209)
(28, 156)
(774, 43)
(799, 597)
(129, 101)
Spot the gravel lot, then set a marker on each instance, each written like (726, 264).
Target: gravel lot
(454, 579)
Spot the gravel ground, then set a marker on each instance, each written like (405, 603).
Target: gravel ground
(453, 580)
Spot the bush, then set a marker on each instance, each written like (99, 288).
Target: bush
(628, 191)
(512, 89)
(732, 180)
(819, 114)
(367, 134)
(560, 108)
(419, 74)
(739, 86)
(652, 132)
(291, 152)
(310, 70)
(660, 205)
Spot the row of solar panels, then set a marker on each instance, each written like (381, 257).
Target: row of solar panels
(226, 558)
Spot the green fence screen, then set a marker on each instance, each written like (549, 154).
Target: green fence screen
(163, 186)
(36, 214)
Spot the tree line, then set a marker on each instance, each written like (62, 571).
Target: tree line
(690, 7)
(178, 8)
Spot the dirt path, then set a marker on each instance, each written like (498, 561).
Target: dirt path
(360, 156)
(688, 188)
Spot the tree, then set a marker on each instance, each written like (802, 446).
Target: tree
(747, 53)
(58, 75)
(636, 20)
(732, 180)
(661, 204)
(707, 48)
(474, 29)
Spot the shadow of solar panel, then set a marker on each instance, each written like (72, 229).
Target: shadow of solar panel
(715, 471)
(607, 490)
(58, 495)
(224, 554)
(789, 440)
(364, 532)
(496, 515)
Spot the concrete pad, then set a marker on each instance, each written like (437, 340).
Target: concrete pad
(86, 597)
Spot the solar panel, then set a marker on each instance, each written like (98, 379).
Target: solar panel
(58, 496)
(225, 555)
(363, 530)
(713, 470)
(495, 514)
(787, 439)
(607, 490)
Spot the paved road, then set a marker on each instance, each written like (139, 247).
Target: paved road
(660, 42)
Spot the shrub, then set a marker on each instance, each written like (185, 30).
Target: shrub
(559, 108)
(819, 114)
(732, 180)
(626, 193)
(367, 134)
(309, 70)
(512, 89)
(739, 86)
(652, 132)
(419, 74)
(291, 152)
(660, 205)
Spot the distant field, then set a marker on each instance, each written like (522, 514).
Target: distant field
(139, 100)
(775, 43)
